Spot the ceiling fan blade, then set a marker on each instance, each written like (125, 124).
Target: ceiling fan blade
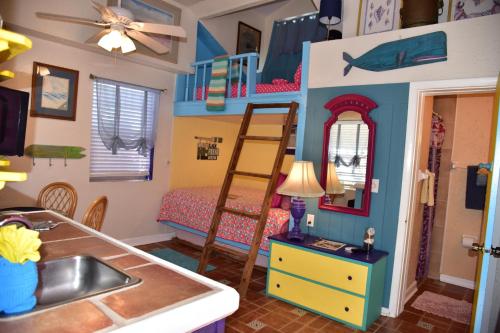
(147, 41)
(70, 19)
(162, 29)
(94, 39)
(106, 13)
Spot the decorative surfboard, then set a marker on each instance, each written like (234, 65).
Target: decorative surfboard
(47, 151)
(413, 51)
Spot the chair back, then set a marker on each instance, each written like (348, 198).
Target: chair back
(94, 216)
(60, 197)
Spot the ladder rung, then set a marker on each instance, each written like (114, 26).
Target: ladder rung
(251, 174)
(230, 252)
(260, 138)
(255, 216)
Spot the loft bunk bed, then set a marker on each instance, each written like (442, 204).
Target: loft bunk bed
(191, 209)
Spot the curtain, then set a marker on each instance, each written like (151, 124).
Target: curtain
(285, 48)
(434, 161)
(126, 115)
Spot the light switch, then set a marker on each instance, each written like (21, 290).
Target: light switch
(375, 184)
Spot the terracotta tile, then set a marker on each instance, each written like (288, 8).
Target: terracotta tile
(392, 323)
(407, 327)
(230, 329)
(383, 329)
(409, 317)
(90, 246)
(127, 261)
(79, 317)
(62, 231)
(319, 323)
(161, 287)
(458, 327)
(252, 315)
(437, 320)
(268, 329)
(275, 320)
(242, 327)
(293, 327)
(334, 327)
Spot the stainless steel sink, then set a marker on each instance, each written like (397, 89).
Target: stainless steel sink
(68, 279)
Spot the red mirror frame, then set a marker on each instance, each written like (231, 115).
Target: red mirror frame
(362, 105)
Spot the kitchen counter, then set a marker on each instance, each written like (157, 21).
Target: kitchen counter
(169, 298)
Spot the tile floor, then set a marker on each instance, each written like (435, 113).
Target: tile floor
(258, 313)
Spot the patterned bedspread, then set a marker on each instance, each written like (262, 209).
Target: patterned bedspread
(194, 207)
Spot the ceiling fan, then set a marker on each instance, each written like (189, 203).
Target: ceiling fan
(119, 26)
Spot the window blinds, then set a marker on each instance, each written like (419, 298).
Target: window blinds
(346, 148)
(123, 130)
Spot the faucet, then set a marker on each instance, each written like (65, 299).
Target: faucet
(17, 219)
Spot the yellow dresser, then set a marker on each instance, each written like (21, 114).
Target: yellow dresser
(342, 286)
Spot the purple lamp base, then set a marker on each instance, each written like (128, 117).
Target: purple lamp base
(298, 210)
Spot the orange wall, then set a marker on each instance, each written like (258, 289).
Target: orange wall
(471, 140)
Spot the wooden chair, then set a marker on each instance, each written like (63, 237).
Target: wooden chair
(60, 197)
(94, 216)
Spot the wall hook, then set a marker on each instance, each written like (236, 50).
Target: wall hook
(33, 159)
(50, 161)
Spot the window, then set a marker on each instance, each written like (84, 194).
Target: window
(350, 142)
(123, 131)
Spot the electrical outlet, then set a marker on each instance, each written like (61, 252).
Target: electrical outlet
(375, 185)
(310, 220)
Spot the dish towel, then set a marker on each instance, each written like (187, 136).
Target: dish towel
(427, 193)
(475, 195)
(217, 86)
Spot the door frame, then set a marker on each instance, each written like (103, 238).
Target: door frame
(417, 92)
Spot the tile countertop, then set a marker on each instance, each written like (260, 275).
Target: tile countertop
(169, 299)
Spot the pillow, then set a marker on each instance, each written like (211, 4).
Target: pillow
(280, 81)
(298, 74)
(286, 202)
(276, 199)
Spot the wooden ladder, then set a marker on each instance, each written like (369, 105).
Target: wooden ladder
(231, 171)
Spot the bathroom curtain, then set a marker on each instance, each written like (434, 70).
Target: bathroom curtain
(436, 142)
(285, 48)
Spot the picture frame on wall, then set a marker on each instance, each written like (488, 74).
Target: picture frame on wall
(378, 16)
(54, 92)
(292, 141)
(248, 39)
(464, 9)
(154, 11)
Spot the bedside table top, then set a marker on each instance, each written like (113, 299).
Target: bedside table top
(372, 258)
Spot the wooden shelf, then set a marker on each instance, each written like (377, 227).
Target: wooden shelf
(47, 151)
(12, 44)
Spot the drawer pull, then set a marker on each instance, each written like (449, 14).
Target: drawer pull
(280, 259)
(277, 285)
(346, 309)
(349, 278)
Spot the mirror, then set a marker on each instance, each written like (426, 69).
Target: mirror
(348, 148)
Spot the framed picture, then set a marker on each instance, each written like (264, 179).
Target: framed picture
(464, 9)
(378, 16)
(248, 39)
(53, 92)
(154, 11)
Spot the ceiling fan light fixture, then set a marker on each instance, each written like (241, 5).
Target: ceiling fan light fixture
(115, 38)
(105, 43)
(127, 44)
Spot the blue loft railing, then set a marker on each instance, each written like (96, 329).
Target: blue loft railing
(202, 71)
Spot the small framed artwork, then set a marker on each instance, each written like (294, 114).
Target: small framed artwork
(53, 92)
(248, 39)
(378, 16)
(154, 11)
(464, 9)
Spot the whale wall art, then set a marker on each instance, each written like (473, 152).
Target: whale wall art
(413, 51)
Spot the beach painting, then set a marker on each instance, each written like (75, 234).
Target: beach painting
(55, 93)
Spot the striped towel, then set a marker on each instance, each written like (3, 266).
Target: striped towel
(217, 86)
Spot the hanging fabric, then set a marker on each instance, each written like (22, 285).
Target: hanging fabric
(285, 48)
(434, 162)
(126, 115)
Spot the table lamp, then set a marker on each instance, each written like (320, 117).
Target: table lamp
(333, 184)
(330, 13)
(300, 183)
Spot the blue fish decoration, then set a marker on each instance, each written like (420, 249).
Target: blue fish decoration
(413, 51)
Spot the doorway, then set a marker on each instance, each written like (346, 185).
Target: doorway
(448, 199)
(419, 91)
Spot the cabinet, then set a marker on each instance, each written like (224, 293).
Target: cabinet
(336, 284)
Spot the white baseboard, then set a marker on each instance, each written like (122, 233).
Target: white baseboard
(410, 291)
(457, 281)
(385, 312)
(149, 239)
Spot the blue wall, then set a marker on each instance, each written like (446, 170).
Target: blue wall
(390, 119)
(207, 47)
